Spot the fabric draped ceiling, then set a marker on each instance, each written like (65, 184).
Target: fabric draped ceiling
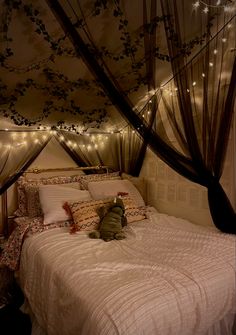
(191, 126)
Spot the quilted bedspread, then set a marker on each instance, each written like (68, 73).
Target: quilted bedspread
(168, 277)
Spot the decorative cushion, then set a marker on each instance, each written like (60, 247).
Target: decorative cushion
(85, 179)
(85, 214)
(52, 199)
(23, 182)
(110, 188)
(133, 212)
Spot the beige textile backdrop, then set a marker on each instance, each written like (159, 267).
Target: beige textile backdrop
(167, 191)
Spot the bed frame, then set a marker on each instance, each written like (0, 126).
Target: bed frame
(4, 206)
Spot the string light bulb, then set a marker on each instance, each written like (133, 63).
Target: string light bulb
(196, 4)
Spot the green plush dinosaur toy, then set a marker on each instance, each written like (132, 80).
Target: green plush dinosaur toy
(111, 224)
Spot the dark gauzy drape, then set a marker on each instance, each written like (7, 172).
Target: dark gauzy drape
(202, 108)
(118, 151)
(201, 133)
(18, 149)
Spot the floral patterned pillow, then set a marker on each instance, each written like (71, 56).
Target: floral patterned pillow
(31, 185)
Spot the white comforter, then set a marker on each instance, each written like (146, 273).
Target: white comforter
(168, 277)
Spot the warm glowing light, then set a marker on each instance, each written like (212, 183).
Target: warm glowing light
(206, 10)
(203, 75)
(211, 64)
(196, 4)
(224, 40)
(194, 83)
(215, 51)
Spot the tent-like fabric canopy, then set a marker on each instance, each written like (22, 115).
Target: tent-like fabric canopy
(165, 69)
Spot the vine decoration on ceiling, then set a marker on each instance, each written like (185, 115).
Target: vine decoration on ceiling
(92, 118)
(62, 87)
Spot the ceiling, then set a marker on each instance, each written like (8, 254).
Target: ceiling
(44, 83)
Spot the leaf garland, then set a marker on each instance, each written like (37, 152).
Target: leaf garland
(58, 87)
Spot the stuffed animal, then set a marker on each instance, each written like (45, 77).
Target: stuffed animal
(111, 224)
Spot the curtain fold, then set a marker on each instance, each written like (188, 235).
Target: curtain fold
(200, 101)
(206, 112)
(118, 151)
(17, 152)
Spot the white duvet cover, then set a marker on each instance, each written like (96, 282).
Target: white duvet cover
(168, 277)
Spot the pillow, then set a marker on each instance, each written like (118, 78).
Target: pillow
(84, 180)
(85, 214)
(32, 198)
(23, 182)
(133, 212)
(139, 183)
(110, 188)
(52, 199)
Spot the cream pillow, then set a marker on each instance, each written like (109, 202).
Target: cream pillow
(110, 188)
(52, 199)
(84, 180)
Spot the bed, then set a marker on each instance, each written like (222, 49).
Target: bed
(167, 277)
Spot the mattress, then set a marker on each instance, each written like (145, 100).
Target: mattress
(168, 277)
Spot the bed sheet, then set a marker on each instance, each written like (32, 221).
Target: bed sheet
(168, 277)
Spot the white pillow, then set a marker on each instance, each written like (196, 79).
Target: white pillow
(109, 188)
(53, 197)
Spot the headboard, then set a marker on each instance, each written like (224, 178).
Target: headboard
(40, 171)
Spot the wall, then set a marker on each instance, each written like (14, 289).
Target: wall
(170, 193)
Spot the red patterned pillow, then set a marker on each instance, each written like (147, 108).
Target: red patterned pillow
(23, 185)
